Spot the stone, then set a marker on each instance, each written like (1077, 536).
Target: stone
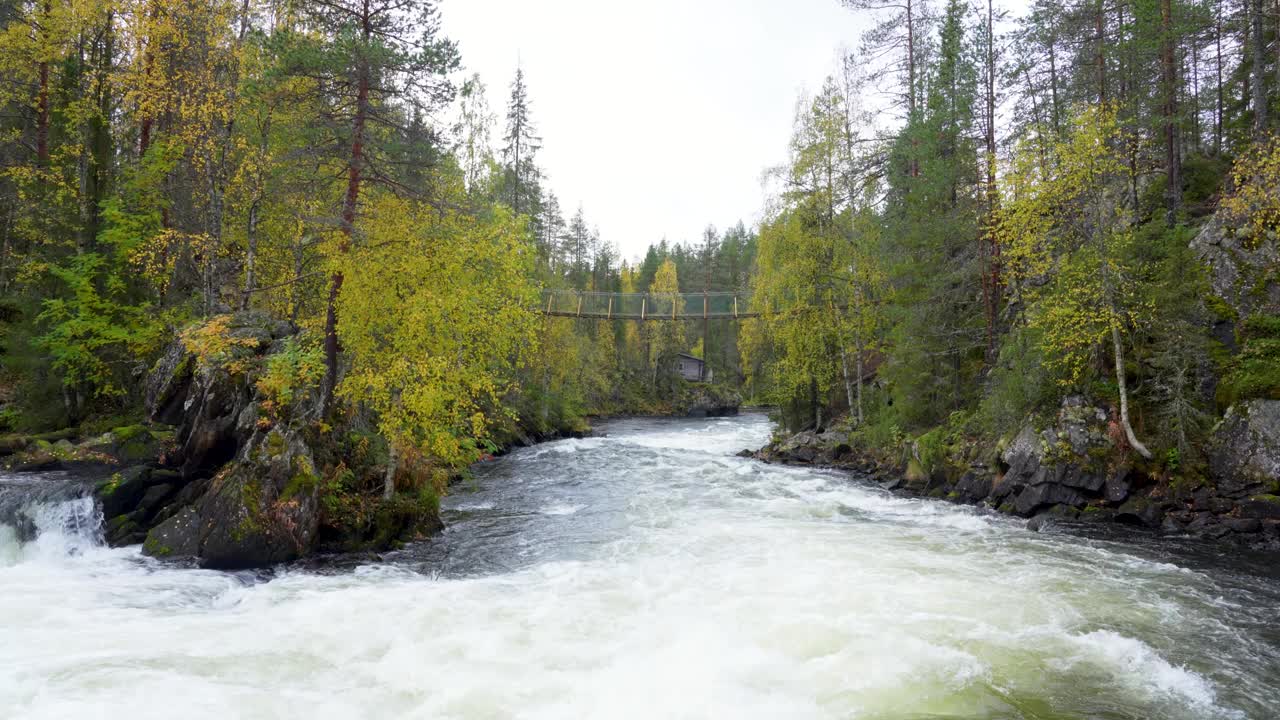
(1038, 523)
(1034, 497)
(1242, 525)
(1244, 454)
(1239, 271)
(1141, 511)
(973, 487)
(1117, 487)
(1261, 507)
(1221, 506)
(259, 511)
(1201, 521)
(121, 493)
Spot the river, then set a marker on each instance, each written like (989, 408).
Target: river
(645, 574)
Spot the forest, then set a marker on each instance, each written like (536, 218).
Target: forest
(1076, 200)
(984, 210)
(171, 164)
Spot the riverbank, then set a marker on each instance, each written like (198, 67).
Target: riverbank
(237, 463)
(1071, 472)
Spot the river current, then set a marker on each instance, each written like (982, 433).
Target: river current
(648, 573)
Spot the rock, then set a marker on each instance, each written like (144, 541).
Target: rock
(1221, 506)
(165, 390)
(1239, 273)
(1242, 525)
(1038, 523)
(1261, 507)
(1117, 486)
(1200, 498)
(745, 453)
(129, 444)
(1023, 454)
(121, 493)
(1044, 494)
(258, 511)
(973, 487)
(1073, 476)
(707, 400)
(1201, 522)
(17, 442)
(152, 499)
(1141, 511)
(1244, 455)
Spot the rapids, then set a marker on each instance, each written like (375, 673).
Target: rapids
(648, 574)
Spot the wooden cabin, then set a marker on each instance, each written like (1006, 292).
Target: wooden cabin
(690, 368)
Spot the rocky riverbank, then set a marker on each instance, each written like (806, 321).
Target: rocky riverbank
(1075, 469)
(236, 464)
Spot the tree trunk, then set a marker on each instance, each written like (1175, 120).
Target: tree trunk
(42, 100)
(255, 205)
(1118, 348)
(389, 477)
(911, 58)
(1259, 48)
(848, 383)
(355, 168)
(1217, 124)
(860, 371)
(1172, 151)
(991, 279)
(1100, 40)
(1053, 86)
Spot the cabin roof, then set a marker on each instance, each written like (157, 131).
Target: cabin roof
(691, 357)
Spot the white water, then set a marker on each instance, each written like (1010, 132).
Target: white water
(647, 574)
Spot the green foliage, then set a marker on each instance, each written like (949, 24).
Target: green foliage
(94, 339)
(294, 368)
(1255, 371)
(1018, 386)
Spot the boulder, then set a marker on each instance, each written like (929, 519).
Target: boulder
(1261, 507)
(261, 510)
(1045, 494)
(1117, 486)
(1244, 454)
(1242, 525)
(1141, 511)
(973, 487)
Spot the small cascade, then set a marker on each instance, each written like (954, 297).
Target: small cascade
(50, 514)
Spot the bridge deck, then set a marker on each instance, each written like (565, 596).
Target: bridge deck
(717, 305)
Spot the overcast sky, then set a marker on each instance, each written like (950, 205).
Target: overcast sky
(659, 117)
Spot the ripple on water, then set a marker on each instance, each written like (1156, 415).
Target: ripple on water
(650, 574)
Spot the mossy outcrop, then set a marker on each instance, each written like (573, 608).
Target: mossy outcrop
(247, 479)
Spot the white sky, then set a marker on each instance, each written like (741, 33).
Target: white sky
(659, 117)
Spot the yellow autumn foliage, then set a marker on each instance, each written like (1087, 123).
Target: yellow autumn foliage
(435, 320)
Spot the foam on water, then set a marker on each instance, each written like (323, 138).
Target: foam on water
(647, 574)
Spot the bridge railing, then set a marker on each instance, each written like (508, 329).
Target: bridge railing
(646, 306)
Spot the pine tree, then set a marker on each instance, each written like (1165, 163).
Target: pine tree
(519, 151)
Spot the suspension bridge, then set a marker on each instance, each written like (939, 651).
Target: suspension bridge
(707, 305)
